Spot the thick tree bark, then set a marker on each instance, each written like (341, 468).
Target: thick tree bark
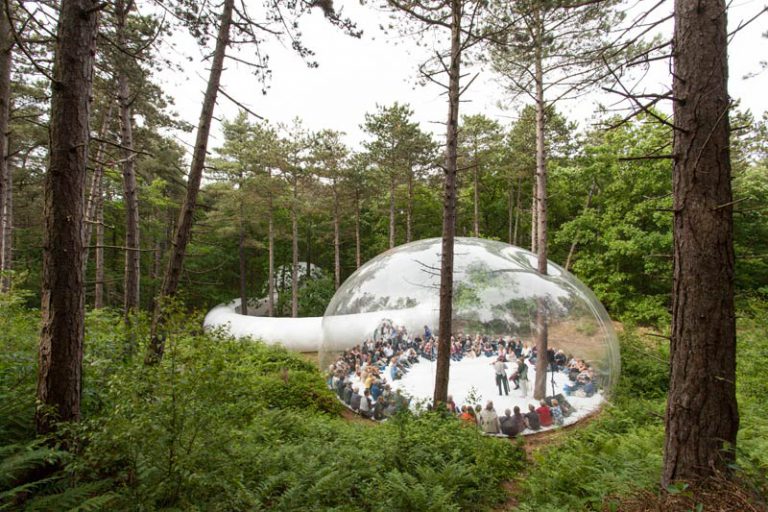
(295, 250)
(184, 224)
(442, 371)
(59, 378)
(130, 190)
(392, 211)
(540, 385)
(702, 417)
(6, 180)
(7, 221)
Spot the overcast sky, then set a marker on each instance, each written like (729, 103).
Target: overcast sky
(357, 74)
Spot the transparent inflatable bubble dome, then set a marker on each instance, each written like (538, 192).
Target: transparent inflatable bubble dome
(380, 330)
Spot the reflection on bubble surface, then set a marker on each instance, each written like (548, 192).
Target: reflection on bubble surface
(380, 321)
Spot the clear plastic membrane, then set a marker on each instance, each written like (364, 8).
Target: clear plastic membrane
(380, 329)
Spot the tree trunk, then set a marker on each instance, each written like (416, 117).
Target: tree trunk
(702, 416)
(476, 193)
(98, 292)
(157, 263)
(510, 212)
(184, 224)
(96, 186)
(295, 251)
(392, 211)
(336, 239)
(271, 250)
(409, 209)
(7, 220)
(517, 210)
(130, 190)
(442, 371)
(540, 386)
(308, 260)
(241, 254)
(60, 361)
(6, 180)
(534, 209)
(357, 230)
(575, 242)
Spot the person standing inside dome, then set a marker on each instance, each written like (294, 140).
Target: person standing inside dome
(522, 376)
(500, 367)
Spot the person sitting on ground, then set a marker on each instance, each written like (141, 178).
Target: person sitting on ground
(378, 408)
(532, 418)
(348, 393)
(466, 416)
(450, 405)
(375, 389)
(489, 420)
(366, 409)
(545, 415)
(560, 359)
(508, 425)
(390, 409)
(557, 412)
(519, 419)
(355, 402)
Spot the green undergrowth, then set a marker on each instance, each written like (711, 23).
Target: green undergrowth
(223, 424)
(620, 452)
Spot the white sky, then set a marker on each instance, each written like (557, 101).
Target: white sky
(355, 75)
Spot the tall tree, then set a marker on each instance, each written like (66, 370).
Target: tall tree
(357, 179)
(184, 223)
(281, 19)
(462, 19)
(6, 184)
(702, 417)
(63, 299)
(480, 149)
(328, 157)
(396, 147)
(128, 162)
(556, 52)
(293, 165)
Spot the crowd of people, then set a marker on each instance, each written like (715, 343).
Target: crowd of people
(362, 376)
(514, 422)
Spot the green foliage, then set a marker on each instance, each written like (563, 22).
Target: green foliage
(751, 389)
(624, 236)
(224, 424)
(614, 454)
(620, 452)
(314, 296)
(644, 367)
(19, 329)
